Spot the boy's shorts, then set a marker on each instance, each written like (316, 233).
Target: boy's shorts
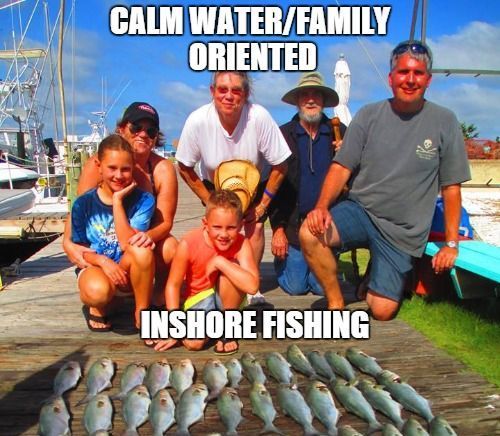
(206, 300)
(390, 265)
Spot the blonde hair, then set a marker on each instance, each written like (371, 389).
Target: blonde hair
(224, 199)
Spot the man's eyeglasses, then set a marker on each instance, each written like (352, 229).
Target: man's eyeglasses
(414, 47)
(136, 128)
(225, 90)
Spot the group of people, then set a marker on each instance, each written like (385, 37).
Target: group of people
(374, 189)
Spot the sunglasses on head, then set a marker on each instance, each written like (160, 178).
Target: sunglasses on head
(414, 47)
(135, 128)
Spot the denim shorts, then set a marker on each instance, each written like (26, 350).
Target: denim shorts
(390, 265)
(294, 275)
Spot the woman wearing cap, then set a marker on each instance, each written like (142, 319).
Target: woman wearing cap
(231, 127)
(140, 127)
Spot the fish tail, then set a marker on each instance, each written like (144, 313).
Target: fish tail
(373, 427)
(119, 396)
(309, 430)
(85, 400)
(271, 428)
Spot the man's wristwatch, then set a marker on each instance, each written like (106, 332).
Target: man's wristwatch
(452, 244)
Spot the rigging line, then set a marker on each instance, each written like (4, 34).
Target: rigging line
(372, 62)
(51, 66)
(23, 35)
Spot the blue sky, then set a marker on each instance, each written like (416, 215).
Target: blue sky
(461, 33)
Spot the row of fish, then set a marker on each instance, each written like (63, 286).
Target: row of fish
(144, 396)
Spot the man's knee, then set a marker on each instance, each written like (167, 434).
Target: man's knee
(165, 250)
(382, 308)
(307, 239)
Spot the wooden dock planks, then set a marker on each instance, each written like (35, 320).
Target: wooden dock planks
(41, 327)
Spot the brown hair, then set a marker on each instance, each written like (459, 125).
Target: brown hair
(114, 142)
(224, 199)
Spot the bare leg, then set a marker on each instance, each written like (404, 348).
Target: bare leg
(139, 262)
(322, 262)
(382, 308)
(97, 292)
(255, 234)
(164, 253)
(231, 299)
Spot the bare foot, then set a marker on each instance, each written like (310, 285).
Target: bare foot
(226, 347)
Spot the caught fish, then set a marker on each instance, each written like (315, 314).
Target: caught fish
(381, 400)
(413, 428)
(181, 377)
(234, 372)
(279, 368)
(410, 399)
(299, 362)
(347, 430)
(320, 365)
(353, 401)
(54, 418)
(99, 378)
(190, 407)
(215, 377)
(229, 406)
(98, 415)
(363, 362)
(132, 376)
(157, 376)
(390, 430)
(135, 408)
(252, 369)
(161, 412)
(387, 376)
(262, 406)
(67, 377)
(440, 427)
(340, 365)
(321, 402)
(292, 403)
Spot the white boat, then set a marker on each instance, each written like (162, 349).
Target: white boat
(15, 201)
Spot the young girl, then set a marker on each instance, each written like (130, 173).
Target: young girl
(104, 219)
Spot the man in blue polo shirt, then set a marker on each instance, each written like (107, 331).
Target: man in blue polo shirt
(310, 138)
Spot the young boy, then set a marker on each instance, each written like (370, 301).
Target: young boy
(216, 265)
(104, 219)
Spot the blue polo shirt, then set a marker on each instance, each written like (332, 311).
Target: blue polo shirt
(315, 158)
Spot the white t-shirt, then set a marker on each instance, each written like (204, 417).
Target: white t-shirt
(256, 138)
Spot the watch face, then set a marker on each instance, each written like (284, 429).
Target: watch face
(451, 244)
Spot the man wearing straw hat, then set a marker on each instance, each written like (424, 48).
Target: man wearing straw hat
(310, 137)
(401, 152)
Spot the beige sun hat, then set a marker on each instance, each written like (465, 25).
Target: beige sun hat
(240, 176)
(314, 80)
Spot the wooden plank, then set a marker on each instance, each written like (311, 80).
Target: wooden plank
(41, 327)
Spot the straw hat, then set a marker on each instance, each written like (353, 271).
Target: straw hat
(313, 80)
(240, 176)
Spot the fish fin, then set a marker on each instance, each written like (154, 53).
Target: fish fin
(85, 400)
(119, 396)
(373, 427)
(271, 428)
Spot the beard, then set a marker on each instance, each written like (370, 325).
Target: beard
(310, 118)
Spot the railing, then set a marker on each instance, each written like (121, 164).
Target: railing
(42, 166)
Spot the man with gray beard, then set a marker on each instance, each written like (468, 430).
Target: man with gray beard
(310, 137)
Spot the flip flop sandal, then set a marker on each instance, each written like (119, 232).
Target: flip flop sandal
(89, 317)
(224, 341)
